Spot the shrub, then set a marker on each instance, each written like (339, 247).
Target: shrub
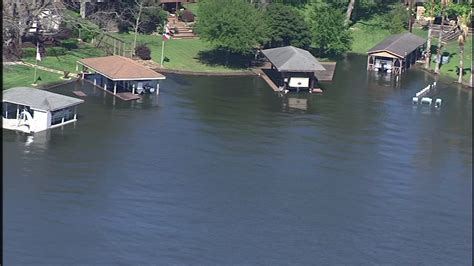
(87, 34)
(64, 33)
(186, 16)
(70, 44)
(151, 20)
(143, 52)
(123, 26)
(56, 51)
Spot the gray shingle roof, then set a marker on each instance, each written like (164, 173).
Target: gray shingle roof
(400, 44)
(38, 99)
(292, 59)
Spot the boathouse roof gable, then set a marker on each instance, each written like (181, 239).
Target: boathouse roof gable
(39, 99)
(399, 44)
(117, 67)
(292, 59)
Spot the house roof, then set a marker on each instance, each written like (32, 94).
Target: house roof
(39, 99)
(292, 59)
(399, 44)
(117, 67)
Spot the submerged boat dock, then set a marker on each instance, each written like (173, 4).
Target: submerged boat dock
(120, 76)
(291, 68)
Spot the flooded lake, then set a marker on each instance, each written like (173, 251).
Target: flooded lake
(223, 171)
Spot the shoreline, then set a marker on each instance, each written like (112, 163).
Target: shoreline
(205, 73)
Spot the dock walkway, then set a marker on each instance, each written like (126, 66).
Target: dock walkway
(266, 78)
(328, 74)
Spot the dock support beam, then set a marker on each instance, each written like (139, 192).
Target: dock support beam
(115, 88)
(157, 88)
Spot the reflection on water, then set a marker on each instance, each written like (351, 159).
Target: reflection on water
(224, 171)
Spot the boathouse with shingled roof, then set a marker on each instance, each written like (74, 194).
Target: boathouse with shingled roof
(120, 75)
(292, 68)
(396, 53)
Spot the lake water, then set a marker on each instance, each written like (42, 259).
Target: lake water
(223, 171)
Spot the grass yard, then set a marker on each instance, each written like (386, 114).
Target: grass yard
(18, 75)
(367, 36)
(68, 61)
(452, 48)
(193, 7)
(184, 54)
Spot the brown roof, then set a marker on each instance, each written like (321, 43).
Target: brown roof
(117, 67)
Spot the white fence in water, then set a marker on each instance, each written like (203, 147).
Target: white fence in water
(419, 96)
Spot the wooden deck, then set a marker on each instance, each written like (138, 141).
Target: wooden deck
(127, 96)
(328, 74)
(79, 93)
(267, 79)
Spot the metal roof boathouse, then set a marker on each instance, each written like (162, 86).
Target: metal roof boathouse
(33, 110)
(120, 76)
(396, 53)
(293, 68)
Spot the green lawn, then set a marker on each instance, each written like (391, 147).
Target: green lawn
(68, 61)
(18, 75)
(183, 54)
(365, 37)
(193, 7)
(452, 48)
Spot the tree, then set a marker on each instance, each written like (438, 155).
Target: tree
(330, 35)
(19, 16)
(444, 3)
(430, 12)
(398, 18)
(463, 20)
(350, 7)
(233, 25)
(285, 26)
(152, 19)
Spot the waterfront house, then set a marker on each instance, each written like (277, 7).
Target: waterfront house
(396, 53)
(33, 110)
(292, 68)
(120, 76)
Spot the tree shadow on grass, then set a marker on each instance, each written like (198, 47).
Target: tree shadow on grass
(464, 70)
(220, 57)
